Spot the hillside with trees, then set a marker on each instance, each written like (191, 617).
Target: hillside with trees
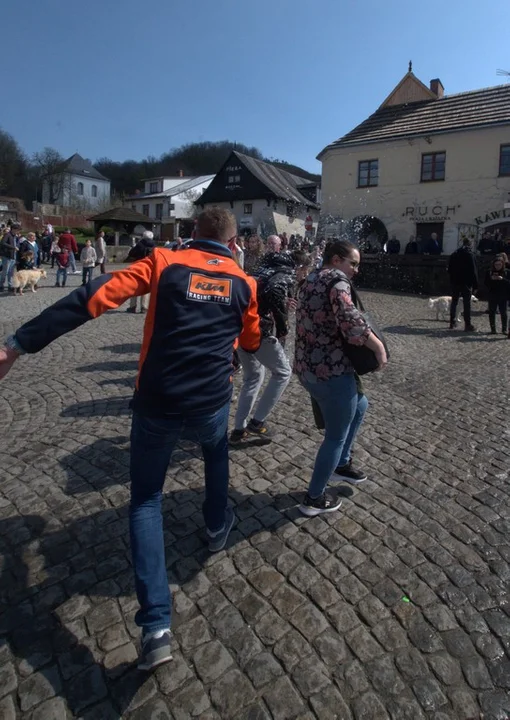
(22, 176)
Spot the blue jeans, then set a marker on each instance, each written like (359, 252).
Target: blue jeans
(152, 443)
(343, 409)
(8, 267)
(86, 275)
(61, 273)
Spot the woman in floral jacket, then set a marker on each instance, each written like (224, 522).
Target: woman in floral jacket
(326, 318)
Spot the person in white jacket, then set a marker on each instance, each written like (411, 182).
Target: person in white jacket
(101, 251)
(88, 259)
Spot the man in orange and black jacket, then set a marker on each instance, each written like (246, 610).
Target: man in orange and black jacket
(201, 305)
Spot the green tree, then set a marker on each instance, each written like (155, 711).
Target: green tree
(13, 166)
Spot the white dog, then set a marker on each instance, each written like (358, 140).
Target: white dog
(441, 306)
(22, 278)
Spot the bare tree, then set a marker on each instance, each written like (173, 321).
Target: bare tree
(50, 166)
(190, 196)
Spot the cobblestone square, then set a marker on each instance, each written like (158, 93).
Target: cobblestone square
(396, 607)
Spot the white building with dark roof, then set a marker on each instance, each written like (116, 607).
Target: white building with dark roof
(170, 201)
(76, 184)
(264, 198)
(423, 163)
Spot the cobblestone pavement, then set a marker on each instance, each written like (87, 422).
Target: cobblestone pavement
(297, 618)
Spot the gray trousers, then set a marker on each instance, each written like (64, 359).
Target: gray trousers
(270, 355)
(144, 301)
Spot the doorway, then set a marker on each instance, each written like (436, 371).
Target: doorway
(368, 232)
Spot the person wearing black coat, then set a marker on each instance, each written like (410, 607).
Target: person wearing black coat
(411, 247)
(141, 250)
(276, 279)
(497, 281)
(464, 281)
(393, 246)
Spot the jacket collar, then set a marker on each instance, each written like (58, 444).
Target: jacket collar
(210, 246)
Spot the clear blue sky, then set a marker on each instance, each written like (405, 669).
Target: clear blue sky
(127, 79)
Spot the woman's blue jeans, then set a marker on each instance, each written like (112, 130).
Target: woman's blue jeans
(343, 409)
(152, 443)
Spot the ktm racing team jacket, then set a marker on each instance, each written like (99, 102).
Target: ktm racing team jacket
(201, 303)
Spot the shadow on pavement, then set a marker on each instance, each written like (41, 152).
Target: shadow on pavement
(123, 349)
(100, 408)
(83, 571)
(110, 366)
(481, 337)
(409, 330)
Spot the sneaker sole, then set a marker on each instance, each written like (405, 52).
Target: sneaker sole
(237, 443)
(263, 439)
(151, 665)
(312, 512)
(218, 548)
(350, 480)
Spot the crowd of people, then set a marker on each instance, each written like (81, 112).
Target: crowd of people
(490, 243)
(202, 305)
(20, 252)
(463, 273)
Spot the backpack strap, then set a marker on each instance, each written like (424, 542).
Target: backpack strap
(356, 300)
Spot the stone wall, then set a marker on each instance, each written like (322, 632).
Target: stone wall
(42, 214)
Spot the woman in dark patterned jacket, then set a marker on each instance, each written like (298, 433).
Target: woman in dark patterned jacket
(326, 318)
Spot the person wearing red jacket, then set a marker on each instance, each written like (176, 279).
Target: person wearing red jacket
(68, 241)
(201, 305)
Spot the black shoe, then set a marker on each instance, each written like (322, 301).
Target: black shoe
(155, 651)
(131, 310)
(350, 474)
(493, 331)
(317, 506)
(255, 427)
(238, 437)
(143, 311)
(453, 325)
(57, 284)
(469, 328)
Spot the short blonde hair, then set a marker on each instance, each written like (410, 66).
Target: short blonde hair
(216, 224)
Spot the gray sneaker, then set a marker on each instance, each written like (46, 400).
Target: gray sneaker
(218, 540)
(155, 651)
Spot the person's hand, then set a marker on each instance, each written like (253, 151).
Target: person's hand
(496, 277)
(7, 359)
(291, 304)
(382, 359)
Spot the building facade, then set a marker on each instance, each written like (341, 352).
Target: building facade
(264, 198)
(171, 202)
(77, 184)
(422, 164)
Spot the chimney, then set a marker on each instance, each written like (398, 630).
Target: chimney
(437, 88)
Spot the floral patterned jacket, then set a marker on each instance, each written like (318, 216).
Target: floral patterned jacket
(323, 325)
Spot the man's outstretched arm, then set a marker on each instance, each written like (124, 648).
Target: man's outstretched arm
(85, 303)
